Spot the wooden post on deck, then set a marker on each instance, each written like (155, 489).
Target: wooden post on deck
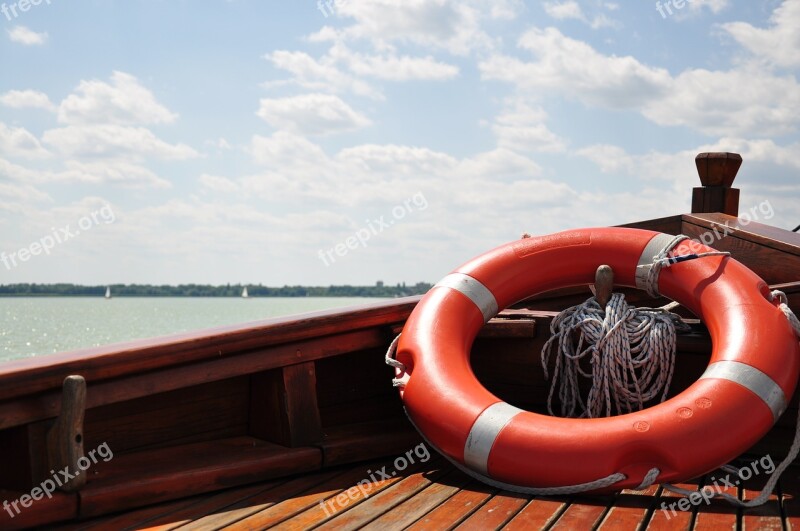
(717, 172)
(65, 437)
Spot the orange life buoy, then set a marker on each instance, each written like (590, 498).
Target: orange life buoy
(751, 376)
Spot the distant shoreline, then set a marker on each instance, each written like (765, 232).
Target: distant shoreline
(201, 290)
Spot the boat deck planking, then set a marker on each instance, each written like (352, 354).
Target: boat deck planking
(435, 496)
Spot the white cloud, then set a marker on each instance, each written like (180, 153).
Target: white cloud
(679, 168)
(570, 9)
(696, 98)
(322, 75)
(26, 36)
(342, 71)
(505, 9)
(703, 99)
(217, 183)
(21, 99)
(311, 114)
(123, 101)
(522, 128)
(289, 153)
(9, 170)
(112, 140)
(98, 172)
(453, 25)
(677, 171)
(112, 172)
(219, 143)
(780, 43)
(394, 160)
(573, 67)
(19, 142)
(20, 193)
(760, 150)
(395, 68)
(498, 163)
(562, 10)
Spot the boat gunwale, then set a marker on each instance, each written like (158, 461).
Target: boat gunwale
(19, 378)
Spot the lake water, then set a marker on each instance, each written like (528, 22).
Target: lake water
(44, 325)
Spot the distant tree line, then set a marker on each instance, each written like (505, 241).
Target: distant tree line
(201, 290)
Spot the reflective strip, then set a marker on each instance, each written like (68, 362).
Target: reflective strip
(484, 431)
(753, 379)
(474, 290)
(652, 248)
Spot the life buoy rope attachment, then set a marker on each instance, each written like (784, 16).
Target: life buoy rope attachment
(752, 373)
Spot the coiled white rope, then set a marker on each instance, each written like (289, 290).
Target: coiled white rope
(632, 354)
(632, 350)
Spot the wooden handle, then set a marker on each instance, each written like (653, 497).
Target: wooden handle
(603, 284)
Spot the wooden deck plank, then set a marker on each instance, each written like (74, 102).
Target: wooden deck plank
(496, 512)
(790, 497)
(347, 498)
(263, 500)
(765, 517)
(170, 516)
(631, 508)
(420, 504)
(717, 514)
(371, 508)
(309, 499)
(456, 508)
(583, 513)
(539, 513)
(667, 515)
(435, 496)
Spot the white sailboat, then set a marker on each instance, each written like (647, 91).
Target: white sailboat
(244, 293)
(108, 292)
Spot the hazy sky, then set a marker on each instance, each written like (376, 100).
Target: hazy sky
(351, 141)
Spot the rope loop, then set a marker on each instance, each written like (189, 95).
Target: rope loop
(783, 305)
(391, 361)
(662, 260)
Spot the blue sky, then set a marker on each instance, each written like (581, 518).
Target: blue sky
(352, 141)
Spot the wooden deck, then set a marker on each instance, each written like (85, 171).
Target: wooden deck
(433, 495)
